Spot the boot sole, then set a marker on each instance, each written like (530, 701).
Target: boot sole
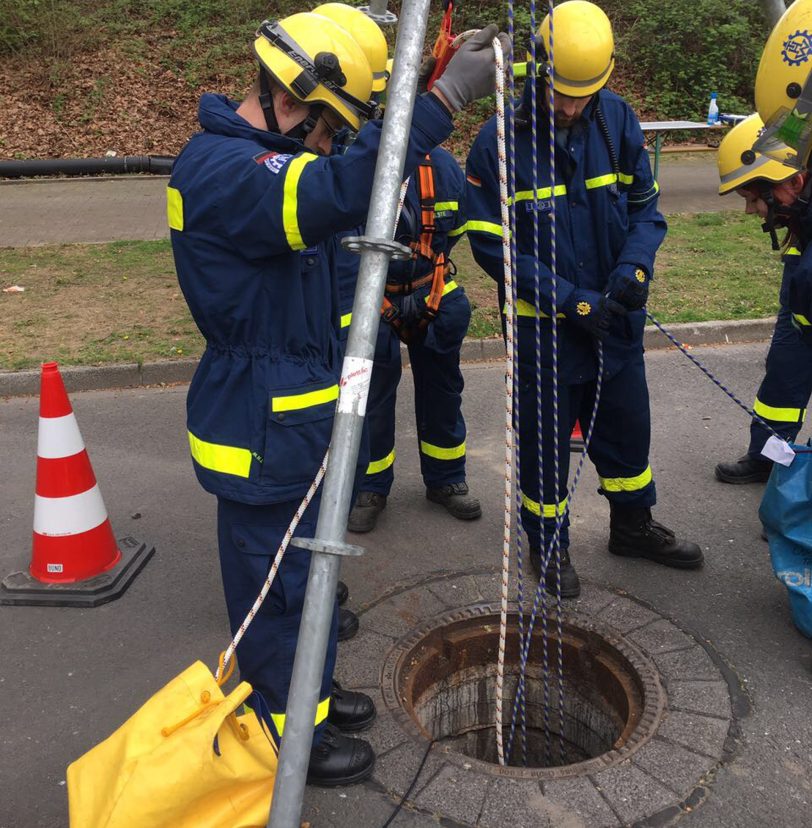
(566, 595)
(741, 479)
(626, 552)
(354, 779)
(356, 726)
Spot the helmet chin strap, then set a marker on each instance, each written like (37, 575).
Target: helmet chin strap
(298, 132)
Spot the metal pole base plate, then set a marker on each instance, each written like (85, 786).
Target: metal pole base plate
(21, 589)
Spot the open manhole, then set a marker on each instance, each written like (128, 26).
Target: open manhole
(610, 697)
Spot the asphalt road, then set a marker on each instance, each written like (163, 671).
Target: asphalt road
(69, 677)
(61, 211)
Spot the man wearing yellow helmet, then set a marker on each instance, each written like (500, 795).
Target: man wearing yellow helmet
(608, 230)
(252, 203)
(770, 189)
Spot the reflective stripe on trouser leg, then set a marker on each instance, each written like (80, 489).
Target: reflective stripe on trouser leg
(620, 443)
(784, 392)
(531, 507)
(380, 416)
(322, 710)
(438, 385)
(249, 537)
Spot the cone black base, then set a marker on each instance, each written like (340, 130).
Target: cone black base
(21, 589)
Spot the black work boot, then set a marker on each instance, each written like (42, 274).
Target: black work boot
(339, 760)
(347, 624)
(570, 583)
(746, 469)
(633, 533)
(364, 514)
(350, 711)
(456, 500)
(342, 593)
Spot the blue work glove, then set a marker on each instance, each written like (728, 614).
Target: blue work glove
(628, 286)
(592, 311)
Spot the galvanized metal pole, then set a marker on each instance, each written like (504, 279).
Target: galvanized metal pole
(328, 546)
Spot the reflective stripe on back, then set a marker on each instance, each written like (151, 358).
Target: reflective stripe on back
(290, 200)
(220, 458)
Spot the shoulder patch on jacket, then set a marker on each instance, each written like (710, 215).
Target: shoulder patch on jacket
(274, 161)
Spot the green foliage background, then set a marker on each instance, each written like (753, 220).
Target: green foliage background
(670, 53)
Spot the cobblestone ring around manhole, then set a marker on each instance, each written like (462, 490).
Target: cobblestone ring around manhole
(684, 729)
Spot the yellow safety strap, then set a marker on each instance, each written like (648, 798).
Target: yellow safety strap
(779, 415)
(295, 402)
(524, 308)
(346, 319)
(219, 458)
(549, 508)
(290, 200)
(174, 208)
(439, 453)
(322, 710)
(626, 484)
(377, 466)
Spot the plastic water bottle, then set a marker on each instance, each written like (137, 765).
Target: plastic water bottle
(713, 110)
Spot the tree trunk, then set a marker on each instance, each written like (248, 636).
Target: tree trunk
(773, 9)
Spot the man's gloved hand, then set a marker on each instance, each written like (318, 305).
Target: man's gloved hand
(411, 308)
(593, 311)
(628, 285)
(470, 74)
(426, 68)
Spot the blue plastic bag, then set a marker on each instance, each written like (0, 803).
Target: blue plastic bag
(786, 512)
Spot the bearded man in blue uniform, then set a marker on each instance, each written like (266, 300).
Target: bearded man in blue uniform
(608, 230)
(252, 203)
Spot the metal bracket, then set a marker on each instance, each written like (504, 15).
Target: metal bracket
(360, 244)
(386, 19)
(328, 547)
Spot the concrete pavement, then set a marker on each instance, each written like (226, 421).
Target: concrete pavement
(64, 211)
(69, 677)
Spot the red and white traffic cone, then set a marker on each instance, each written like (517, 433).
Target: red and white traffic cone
(577, 437)
(73, 539)
(75, 558)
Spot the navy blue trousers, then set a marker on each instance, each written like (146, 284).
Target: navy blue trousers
(619, 448)
(249, 537)
(784, 392)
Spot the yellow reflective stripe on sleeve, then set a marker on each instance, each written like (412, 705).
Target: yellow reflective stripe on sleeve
(439, 206)
(346, 319)
(295, 402)
(449, 286)
(377, 466)
(219, 458)
(626, 484)
(524, 308)
(801, 319)
(174, 208)
(490, 227)
(322, 710)
(438, 453)
(290, 200)
(779, 415)
(549, 508)
(458, 231)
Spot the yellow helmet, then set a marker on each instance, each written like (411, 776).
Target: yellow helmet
(739, 165)
(366, 33)
(583, 47)
(785, 62)
(317, 62)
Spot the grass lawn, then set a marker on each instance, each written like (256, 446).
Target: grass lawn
(120, 302)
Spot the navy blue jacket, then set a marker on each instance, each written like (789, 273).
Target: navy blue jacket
(250, 212)
(604, 221)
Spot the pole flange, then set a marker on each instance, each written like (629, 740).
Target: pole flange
(387, 18)
(361, 244)
(342, 550)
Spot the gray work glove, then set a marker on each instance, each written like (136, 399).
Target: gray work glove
(470, 74)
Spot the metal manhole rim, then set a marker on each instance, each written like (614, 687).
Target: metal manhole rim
(654, 705)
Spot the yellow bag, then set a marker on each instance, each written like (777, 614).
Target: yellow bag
(184, 760)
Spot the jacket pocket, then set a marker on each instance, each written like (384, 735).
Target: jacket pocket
(299, 424)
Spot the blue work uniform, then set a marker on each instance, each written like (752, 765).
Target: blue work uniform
(434, 356)
(784, 392)
(251, 213)
(606, 222)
